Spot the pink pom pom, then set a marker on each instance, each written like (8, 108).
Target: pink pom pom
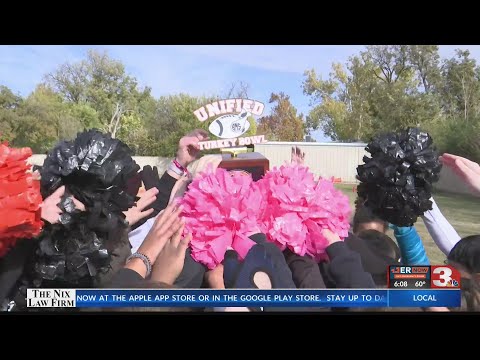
(220, 209)
(296, 209)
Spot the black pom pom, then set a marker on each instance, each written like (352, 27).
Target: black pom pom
(396, 181)
(95, 169)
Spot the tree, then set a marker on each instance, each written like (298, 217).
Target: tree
(425, 60)
(460, 92)
(9, 103)
(283, 124)
(43, 120)
(341, 103)
(88, 116)
(459, 96)
(103, 84)
(239, 90)
(134, 133)
(379, 90)
(173, 119)
(8, 100)
(8, 119)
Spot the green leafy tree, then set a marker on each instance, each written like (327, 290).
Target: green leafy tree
(173, 119)
(425, 60)
(43, 120)
(460, 92)
(377, 91)
(283, 123)
(134, 133)
(88, 116)
(9, 103)
(8, 100)
(103, 84)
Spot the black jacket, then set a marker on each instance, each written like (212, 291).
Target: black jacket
(344, 270)
(126, 278)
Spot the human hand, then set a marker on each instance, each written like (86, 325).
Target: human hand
(166, 224)
(170, 261)
(297, 156)
(188, 147)
(467, 170)
(50, 211)
(214, 278)
(330, 236)
(36, 175)
(138, 212)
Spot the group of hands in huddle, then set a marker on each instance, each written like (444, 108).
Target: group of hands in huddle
(166, 243)
(188, 150)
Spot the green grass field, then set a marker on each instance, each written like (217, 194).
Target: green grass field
(462, 212)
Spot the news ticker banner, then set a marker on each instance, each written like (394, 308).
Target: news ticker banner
(408, 286)
(109, 298)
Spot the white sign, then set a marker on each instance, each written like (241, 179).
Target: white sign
(45, 298)
(231, 122)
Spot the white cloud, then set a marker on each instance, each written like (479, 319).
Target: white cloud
(284, 58)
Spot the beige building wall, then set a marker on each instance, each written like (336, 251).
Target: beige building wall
(324, 159)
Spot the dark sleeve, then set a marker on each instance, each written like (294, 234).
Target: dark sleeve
(346, 269)
(12, 266)
(305, 271)
(165, 186)
(125, 278)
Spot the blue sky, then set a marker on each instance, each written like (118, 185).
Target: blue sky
(196, 70)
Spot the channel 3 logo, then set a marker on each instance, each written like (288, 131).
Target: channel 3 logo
(444, 277)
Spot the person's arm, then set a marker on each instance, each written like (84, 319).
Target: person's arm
(305, 271)
(188, 150)
(164, 227)
(411, 246)
(467, 170)
(345, 267)
(124, 278)
(441, 231)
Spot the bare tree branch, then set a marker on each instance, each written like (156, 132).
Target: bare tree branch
(238, 90)
(378, 76)
(115, 120)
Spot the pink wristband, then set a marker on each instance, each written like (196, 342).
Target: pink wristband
(179, 166)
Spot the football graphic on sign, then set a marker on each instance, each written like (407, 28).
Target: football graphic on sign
(231, 125)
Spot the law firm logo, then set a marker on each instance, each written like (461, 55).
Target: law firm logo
(45, 298)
